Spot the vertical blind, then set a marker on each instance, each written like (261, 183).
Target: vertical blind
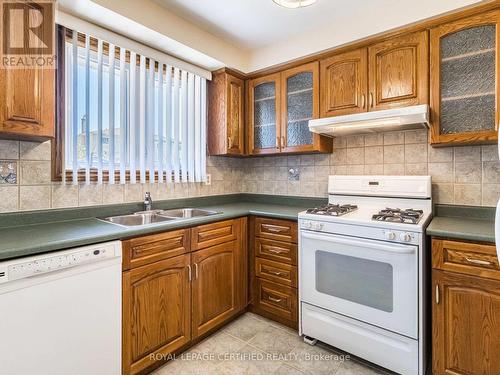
(129, 117)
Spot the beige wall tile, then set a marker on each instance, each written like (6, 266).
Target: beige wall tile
(64, 196)
(355, 156)
(440, 155)
(491, 194)
(322, 159)
(34, 197)
(355, 170)
(281, 173)
(355, 141)
(416, 136)
(468, 194)
(280, 187)
(9, 149)
(90, 195)
(491, 172)
(468, 153)
(10, 198)
(35, 151)
(394, 138)
(293, 160)
(489, 153)
(113, 194)
(338, 169)
(321, 173)
(374, 169)
(306, 159)
(394, 169)
(338, 157)
(35, 172)
(416, 169)
(468, 172)
(443, 193)
(307, 188)
(339, 142)
(394, 154)
(374, 155)
(441, 172)
(376, 139)
(416, 153)
(293, 188)
(133, 192)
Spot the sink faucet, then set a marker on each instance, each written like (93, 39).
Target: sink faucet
(148, 202)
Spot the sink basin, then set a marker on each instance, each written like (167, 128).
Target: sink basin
(138, 219)
(184, 213)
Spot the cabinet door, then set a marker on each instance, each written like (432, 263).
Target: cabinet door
(344, 83)
(398, 72)
(466, 324)
(465, 66)
(156, 311)
(300, 103)
(217, 286)
(264, 115)
(234, 115)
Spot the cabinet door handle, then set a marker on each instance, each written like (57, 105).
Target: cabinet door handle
(196, 271)
(229, 143)
(371, 100)
(363, 101)
(190, 275)
(437, 294)
(274, 299)
(479, 261)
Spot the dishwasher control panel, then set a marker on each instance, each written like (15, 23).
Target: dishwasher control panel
(32, 266)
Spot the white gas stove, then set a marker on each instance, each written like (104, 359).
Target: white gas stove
(361, 269)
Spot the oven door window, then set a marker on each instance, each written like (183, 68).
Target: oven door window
(363, 281)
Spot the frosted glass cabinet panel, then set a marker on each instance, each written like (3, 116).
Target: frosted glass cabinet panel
(280, 107)
(464, 73)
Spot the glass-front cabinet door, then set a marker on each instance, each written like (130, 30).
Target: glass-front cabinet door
(300, 103)
(264, 114)
(465, 68)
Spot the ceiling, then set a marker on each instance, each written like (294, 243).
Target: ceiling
(254, 24)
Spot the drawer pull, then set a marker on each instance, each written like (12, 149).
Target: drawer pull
(276, 250)
(275, 229)
(275, 273)
(479, 261)
(437, 294)
(274, 299)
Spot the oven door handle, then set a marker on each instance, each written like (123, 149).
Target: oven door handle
(388, 247)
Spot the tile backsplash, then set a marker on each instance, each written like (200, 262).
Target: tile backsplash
(461, 175)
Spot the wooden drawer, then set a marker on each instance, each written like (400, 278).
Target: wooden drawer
(274, 250)
(276, 301)
(278, 272)
(274, 229)
(214, 234)
(148, 249)
(465, 257)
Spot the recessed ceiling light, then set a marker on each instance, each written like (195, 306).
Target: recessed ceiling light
(292, 4)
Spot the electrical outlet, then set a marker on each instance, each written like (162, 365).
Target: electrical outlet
(208, 179)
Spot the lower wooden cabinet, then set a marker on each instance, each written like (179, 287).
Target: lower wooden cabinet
(156, 311)
(171, 300)
(465, 312)
(217, 286)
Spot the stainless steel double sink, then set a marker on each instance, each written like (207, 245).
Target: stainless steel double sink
(157, 216)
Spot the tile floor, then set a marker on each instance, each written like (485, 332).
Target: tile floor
(253, 345)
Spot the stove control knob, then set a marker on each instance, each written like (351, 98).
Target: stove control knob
(306, 224)
(317, 226)
(390, 235)
(406, 237)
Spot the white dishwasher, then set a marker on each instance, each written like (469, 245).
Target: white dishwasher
(60, 313)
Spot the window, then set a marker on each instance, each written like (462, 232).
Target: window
(126, 117)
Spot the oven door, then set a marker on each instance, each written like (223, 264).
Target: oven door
(372, 281)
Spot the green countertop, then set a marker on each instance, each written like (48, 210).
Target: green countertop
(464, 223)
(36, 238)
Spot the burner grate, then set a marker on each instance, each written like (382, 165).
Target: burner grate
(397, 215)
(333, 209)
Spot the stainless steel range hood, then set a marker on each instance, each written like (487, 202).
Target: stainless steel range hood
(415, 117)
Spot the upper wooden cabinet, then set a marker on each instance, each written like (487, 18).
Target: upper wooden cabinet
(279, 109)
(392, 73)
(344, 87)
(27, 98)
(398, 72)
(226, 115)
(465, 69)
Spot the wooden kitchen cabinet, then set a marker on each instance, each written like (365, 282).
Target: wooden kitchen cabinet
(280, 106)
(465, 69)
(156, 311)
(398, 72)
(465, 308)
(226, 134)
(344, 83)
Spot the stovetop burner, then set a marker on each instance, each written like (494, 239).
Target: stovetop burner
(397, 215)
(333, 209)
